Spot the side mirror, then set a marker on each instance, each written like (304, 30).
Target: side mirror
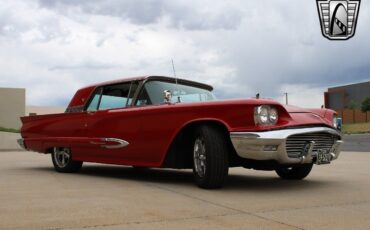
(167, 96)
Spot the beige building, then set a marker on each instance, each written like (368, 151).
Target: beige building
(42, 110)
(12, 107)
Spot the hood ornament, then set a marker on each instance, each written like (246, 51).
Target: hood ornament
(167, 96)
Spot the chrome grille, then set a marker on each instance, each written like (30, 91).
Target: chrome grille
(296, 143)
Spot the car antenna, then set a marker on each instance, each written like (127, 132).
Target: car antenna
(177, 86)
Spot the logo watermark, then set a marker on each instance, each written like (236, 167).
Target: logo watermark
(338, 18)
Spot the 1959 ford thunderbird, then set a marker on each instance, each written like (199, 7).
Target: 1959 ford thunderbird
(173, 123)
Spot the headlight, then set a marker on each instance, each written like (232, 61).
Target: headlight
(335, 122)
(273, 115)
(265, 115)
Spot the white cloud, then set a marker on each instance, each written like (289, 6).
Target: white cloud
(190, 15)
(302, 95)
(241, 47)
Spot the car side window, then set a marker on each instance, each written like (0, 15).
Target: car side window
(94, 102)
(114, 96)
(143, 98)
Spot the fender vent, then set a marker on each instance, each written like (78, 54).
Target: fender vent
(296, 143)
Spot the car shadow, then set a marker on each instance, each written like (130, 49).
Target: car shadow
(157, 176)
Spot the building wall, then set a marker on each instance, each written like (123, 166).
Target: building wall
(336, 100)
(342, 96)
(12, 107)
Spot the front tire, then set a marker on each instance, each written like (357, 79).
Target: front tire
(62, 161)
(295, 172)
(210, 157)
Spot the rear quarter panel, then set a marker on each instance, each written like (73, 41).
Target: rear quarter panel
(40, 131)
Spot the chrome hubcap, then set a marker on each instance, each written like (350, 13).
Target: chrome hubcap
(199, 156)
(62, 156)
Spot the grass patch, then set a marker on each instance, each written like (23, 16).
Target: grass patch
(356, 128)
(9, 130)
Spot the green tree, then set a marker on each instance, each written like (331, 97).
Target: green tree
(366, 105)
(352, 105)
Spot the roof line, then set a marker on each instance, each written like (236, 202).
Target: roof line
(149, 77)
(351, 84)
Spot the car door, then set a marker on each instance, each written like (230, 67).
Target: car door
(112, 124)
(157, 122)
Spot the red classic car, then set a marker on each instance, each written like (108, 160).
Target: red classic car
(174, 123)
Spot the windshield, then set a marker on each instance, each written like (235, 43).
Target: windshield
(153, 93)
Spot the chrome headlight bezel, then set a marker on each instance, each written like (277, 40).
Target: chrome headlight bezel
(265, 115)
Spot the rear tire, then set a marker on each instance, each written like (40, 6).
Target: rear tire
(210, 157)
(295, 172)
(62, 161)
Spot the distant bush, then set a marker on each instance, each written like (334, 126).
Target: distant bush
(9, 130)
(366, 105)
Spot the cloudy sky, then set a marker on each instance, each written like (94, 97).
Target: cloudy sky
(52, 48)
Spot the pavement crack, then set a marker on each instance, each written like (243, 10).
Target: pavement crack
(238, 211)
(142, 222)
(316, 206)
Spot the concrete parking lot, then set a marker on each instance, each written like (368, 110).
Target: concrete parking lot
(34, 196)
(357, 142)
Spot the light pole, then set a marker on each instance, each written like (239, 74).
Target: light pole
(286, 98)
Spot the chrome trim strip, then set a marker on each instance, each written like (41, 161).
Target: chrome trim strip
(250, 145)
(97, 143)
(282, 133)
(120, 143)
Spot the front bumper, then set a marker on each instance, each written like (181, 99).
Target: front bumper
(271, 145)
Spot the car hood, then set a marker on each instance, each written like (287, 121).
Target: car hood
(295, 109)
